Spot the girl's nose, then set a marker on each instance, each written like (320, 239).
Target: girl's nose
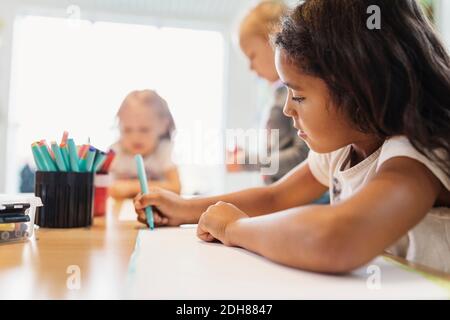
(287, 109)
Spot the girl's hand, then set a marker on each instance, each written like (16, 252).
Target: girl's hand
(169, 209)
(216, 221)
(122, 189)
(234, 160)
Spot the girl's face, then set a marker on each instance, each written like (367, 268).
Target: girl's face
(139, 129)
(261, 56)
(322, 127)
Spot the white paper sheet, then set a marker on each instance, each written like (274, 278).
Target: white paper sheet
(172, 263)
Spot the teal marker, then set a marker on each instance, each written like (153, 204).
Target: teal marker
(99, 160)
(59, 158)
(65, 154)
(144, 187)
(73, 155)
(90, 159)
(82, 165)
(47, 157)
(38, 159)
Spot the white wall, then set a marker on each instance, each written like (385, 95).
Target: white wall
(6, 19)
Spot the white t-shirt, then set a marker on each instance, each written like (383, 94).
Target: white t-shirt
(429, 242)
(156, 164)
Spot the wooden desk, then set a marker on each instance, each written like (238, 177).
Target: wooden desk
(38, 269)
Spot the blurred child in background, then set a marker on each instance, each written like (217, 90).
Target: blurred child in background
(146, 127)
(254, 42)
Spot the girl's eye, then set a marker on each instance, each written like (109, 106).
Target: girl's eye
(298, 99)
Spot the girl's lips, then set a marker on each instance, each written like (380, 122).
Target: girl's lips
(301, 134)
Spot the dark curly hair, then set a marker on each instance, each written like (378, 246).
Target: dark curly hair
(389, 81)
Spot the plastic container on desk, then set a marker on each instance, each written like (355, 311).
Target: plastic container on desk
(20, 208)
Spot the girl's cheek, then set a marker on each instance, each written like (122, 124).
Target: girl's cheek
(289, 108)
(300, 113)
(124, 139)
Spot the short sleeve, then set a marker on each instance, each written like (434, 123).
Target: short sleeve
(319, 164)
(400, 146)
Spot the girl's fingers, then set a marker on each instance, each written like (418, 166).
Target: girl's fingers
(160, 219)
(142, 218)
(207, 237)
(150, 199)
(140, 212)
(137, 205)
(157, 219)
(204, 234)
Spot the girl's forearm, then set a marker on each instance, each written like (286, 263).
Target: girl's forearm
(255, 201)
(299, 238)
(297, 188)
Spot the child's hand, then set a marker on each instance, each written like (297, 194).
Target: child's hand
(215, 221)
(123, 189)
(234, 160)
(169, 209)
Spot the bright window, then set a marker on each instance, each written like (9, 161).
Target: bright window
(73, 75)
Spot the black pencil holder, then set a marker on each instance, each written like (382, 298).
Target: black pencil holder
(67, 198)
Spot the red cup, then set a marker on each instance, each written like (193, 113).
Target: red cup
(101, 184)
